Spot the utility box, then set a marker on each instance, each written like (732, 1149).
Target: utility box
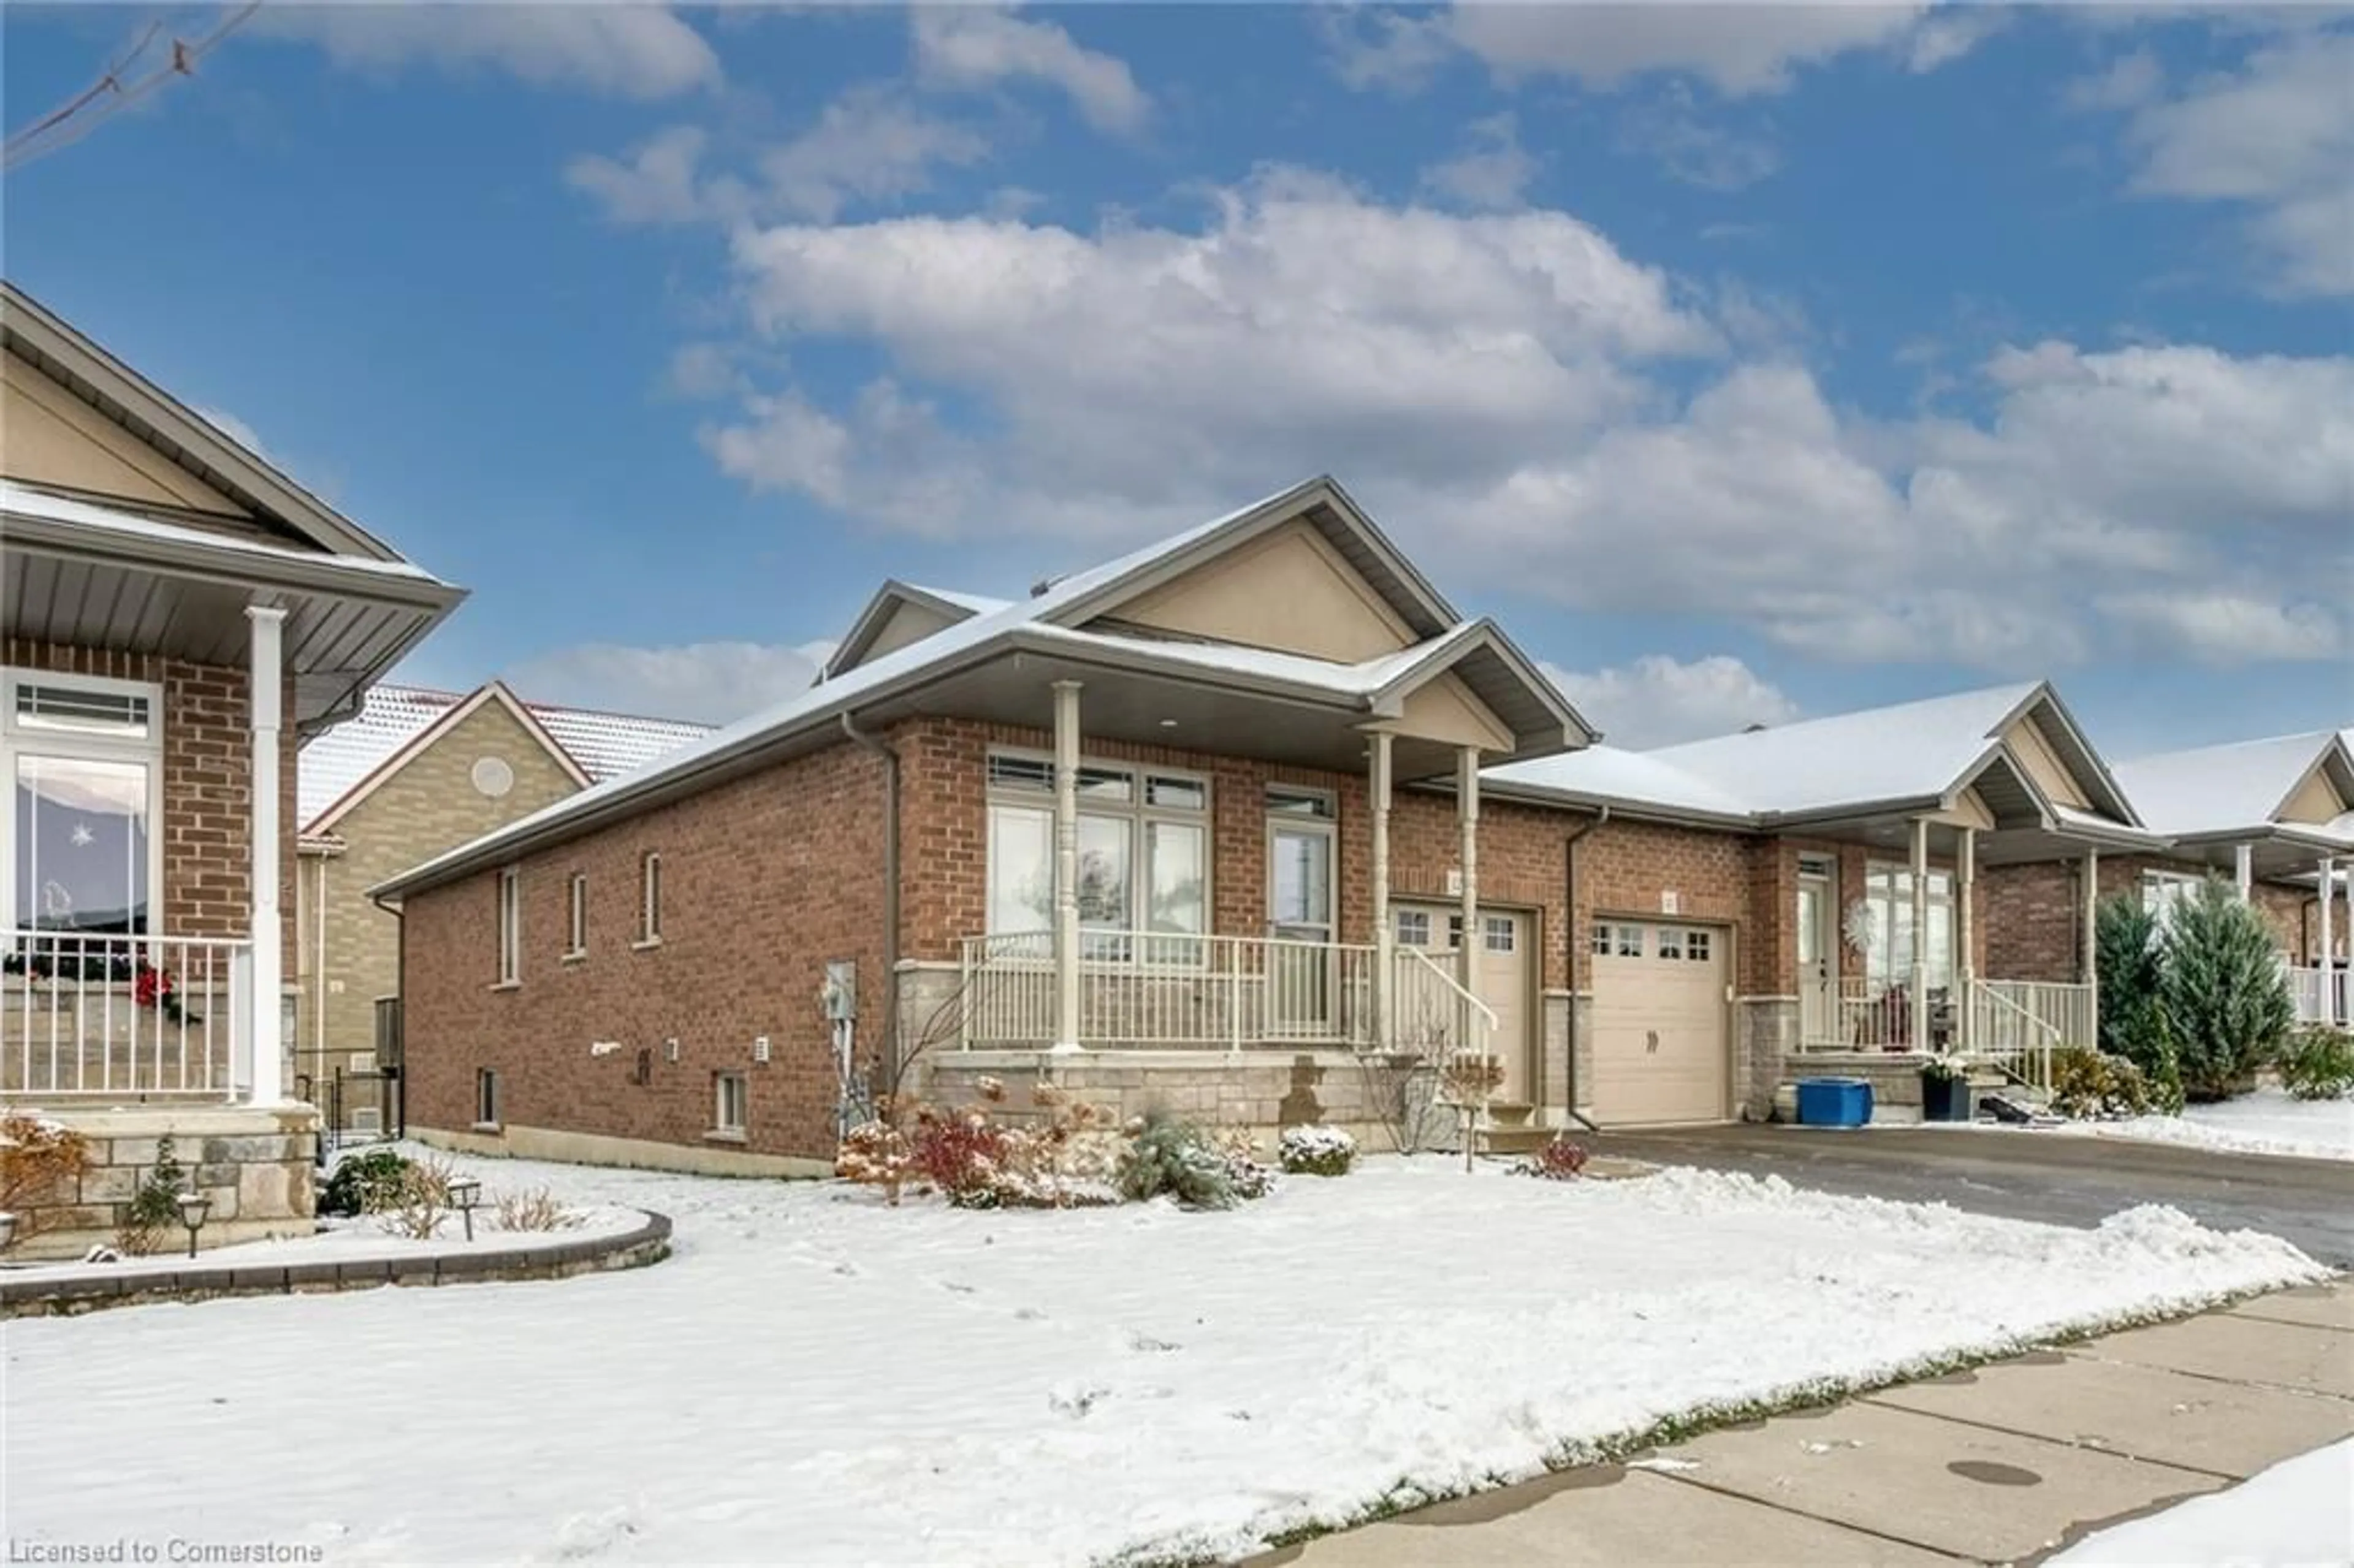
(839, 996)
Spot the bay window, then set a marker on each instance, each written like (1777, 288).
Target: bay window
(1143, 861)
(1888, 903)
(83, 759)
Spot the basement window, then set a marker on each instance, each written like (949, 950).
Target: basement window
(728, 1096)
(486, 1097)
(510, 926)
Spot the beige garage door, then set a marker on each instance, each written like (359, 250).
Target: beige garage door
(1506, 950)
(1661, 1048)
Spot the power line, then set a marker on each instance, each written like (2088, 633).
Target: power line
(111, 94)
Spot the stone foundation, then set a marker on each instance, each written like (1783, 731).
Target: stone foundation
(255, 1162)
(1262, 1092)
(1765, 1047)
(1895, 1078)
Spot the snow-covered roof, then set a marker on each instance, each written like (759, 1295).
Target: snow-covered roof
(979, 603)
(1910, 751)
(1043, 622)
(602, 744)
(2223, 788)
(28, 501)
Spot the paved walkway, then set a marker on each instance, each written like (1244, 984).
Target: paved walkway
(2004, 1465)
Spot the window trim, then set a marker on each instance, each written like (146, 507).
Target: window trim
(650, 880)
(488, 1112)
(1137, 811)
(738, 1130)
(1884, 874)
(576, 917)
(19, 740)
(510, 921)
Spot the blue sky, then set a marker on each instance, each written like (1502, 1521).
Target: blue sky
(1746, 362)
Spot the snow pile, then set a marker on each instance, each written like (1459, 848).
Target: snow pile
(1318, 1150)
(2295, 1515)
(817, 1377)
(2268, 1121)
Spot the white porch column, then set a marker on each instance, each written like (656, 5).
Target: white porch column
(2329, 967)
(1965, 931)
(1066, 865)
(1466, 818)
(1385, 929)
(1920, 933)
(2091, 963)
(2243, 869)
(265, 690)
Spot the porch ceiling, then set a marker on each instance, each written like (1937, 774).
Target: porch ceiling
(1148, 709)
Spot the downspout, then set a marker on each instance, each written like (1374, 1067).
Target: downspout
(890, 882)
(1570, 940)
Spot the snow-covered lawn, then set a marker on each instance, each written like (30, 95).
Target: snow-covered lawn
(2295, 1515)
(2266, 1122)
(816, 1379)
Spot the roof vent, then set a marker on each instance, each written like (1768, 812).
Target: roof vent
(1044, 587)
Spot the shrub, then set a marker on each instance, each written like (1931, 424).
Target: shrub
(1171, 1156)
(2090, 1086)
(2223, 993)
(1316, 1150)
(1559, 1160)
(155, 1206)
(1250, 1179)
(2319, 1062)
(535, 1208)
(962, 1156)
(2128, 952)
(366, 1183)
(1064, 1159)
(41, 1161)
(423, 1201)
(2150, 1046)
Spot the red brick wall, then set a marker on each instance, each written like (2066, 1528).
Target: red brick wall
(2036, 912)
(765, 878)
(207, 783)
(1625, 867)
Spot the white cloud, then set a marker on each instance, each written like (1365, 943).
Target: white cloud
(1659, 701)
(1492, 171)
(235, 428)
(1742, 48)
(1694, 151)
(2228, 627)
(784, 444)
(2276, 135)
(655, 183)
(870, 145)
(716, 682)
(977, 47)
(634, 50)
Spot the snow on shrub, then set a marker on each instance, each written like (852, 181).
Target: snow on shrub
(1559, 1160)
(2319, 1062)
(2087, 1085)
(1064, 1160)
(1249, 1178)
(1173, 1157)
(40, 1162)
(366, 1183)
(1316, 1150)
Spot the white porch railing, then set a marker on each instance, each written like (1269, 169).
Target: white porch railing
(1155, 989)
(86, 1016)
(2016, 1025)
(2306, 990)
(1868, 1015)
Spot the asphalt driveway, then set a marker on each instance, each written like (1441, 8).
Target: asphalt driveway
(2062, 1177)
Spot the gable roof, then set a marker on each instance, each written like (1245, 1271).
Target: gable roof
(2237, 788)
(339, 768)
(1051, 621)
(146, 411)
(948, 604)
(1907, 756)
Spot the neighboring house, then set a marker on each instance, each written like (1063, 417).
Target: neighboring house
(1151, 825)
(1811, 898)
(178, 614)
(417, 772)
(2276, 818)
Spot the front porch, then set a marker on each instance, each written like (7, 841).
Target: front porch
(2013, 1024)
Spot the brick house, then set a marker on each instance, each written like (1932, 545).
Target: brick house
(2276, 817)
(179, 613)
(417, 771)
(1199, 826)
(1813, 898)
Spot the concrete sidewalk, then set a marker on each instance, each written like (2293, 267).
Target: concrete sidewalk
(2005, 1464)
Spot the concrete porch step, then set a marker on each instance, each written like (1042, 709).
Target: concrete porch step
(1513, 1139)
(1511, 1113)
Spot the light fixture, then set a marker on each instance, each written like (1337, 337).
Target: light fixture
(7, 1230)
(194, 1206)
(1168, 724)
(464, 1192)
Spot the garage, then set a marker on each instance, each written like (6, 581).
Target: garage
(1505, 977)
(1660, 1020)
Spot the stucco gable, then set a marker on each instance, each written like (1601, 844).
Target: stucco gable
(1288, 590)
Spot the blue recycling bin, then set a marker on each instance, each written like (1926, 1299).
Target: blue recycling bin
(1834, 1102)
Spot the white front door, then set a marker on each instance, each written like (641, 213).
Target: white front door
(1502, 965)
(1817, 976)
(1301, 982)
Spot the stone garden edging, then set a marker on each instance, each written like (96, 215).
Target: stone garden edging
(55, 1294)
